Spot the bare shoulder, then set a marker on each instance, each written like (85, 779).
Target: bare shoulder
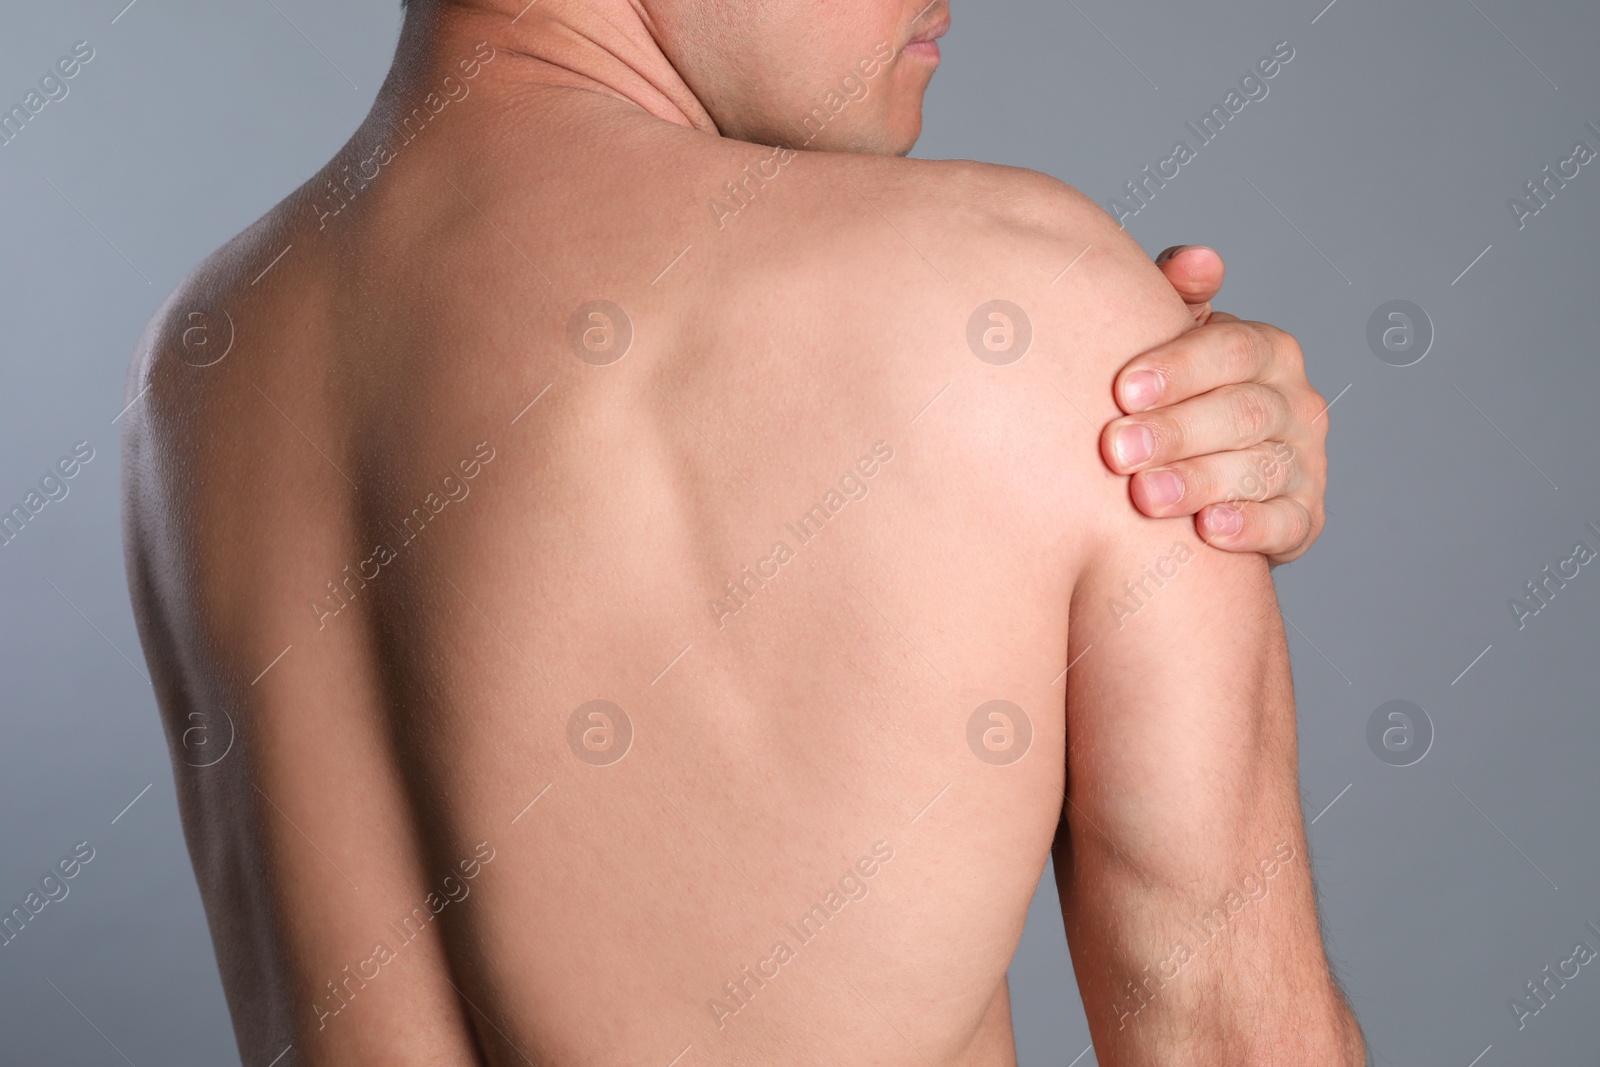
(197, 327)
(180, 366)
(915, 242)
(1005, 283)
(197, 425)
(998, 219)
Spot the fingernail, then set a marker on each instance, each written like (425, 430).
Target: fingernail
(1135, 444)
(1141, 389)
(1163, 488)
(1226, 521)
(1169, 253)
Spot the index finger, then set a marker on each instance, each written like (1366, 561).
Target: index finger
(1225, 351)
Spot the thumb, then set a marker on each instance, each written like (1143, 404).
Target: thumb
(1195, 271)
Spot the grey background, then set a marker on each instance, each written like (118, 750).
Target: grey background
(1381, 163)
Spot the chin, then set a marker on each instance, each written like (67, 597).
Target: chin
(893, 131)
(904, 131)
(882, 135)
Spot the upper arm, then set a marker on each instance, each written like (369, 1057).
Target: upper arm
(1185, 888)
(1180, 707)
(1182, 790)
(1180, 711)
(1179, 703)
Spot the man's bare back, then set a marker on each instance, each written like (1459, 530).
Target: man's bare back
(645, 613)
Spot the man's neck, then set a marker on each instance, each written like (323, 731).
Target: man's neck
(606, 46)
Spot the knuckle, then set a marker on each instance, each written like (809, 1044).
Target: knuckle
(1275, 470)
(1310, 475)
(1253, 412)
(1283, 343)
(1317, 468)
(1297, 526)
(1240, 348)
(1310, 409)
(1253, 525)
(1200, 481)
(1252, 535)
(1169, 432)
(1261, 478)
(1289, 355)
(1157, 361)
(1163, 365)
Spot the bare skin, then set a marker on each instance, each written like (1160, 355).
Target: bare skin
(402, 506)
